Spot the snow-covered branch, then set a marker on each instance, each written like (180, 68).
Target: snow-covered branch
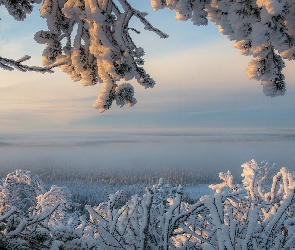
(102, 51)
(10, 64)
(90, 40)
(262, 29)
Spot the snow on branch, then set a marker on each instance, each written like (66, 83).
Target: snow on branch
(90, 40)
(33, 218)
(101, 51)
(264, 30)
(255, 214)
(141, 17)
(10, 64)
(98, 47)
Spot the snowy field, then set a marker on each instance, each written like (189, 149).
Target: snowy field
(93, 165)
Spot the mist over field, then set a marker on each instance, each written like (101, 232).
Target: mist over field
(185, 158)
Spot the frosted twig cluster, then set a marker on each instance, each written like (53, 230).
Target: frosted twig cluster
(101, 50)
(264, 29)
(255, 214)
(10, 64)
(32, 217)
(90, 40)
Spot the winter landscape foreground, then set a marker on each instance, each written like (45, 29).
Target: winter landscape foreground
(258, 213)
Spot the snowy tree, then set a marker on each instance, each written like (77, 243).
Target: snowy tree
(90, 40)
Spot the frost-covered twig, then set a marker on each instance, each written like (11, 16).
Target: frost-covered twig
(141, 17)
(262, 29)
(10, 64)
(252, 215)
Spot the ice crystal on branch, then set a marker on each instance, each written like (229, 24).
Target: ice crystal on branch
(263, 29)
(90, 40)
(255, 214)
(102, 49)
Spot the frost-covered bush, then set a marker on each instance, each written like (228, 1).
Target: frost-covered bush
(33, 218)
(258, 213)
(144, 222)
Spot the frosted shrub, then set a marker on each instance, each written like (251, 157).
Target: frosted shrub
(20, 189)
(255, 214)
(144, 222)
(33, 218)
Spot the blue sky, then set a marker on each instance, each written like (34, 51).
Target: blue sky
(202, 90)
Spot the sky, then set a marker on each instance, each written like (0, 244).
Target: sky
(202, 90)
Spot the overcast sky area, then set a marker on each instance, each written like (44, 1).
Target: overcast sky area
(202, 112)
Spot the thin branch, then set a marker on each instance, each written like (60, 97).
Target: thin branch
(140, 16)
(10, 64)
